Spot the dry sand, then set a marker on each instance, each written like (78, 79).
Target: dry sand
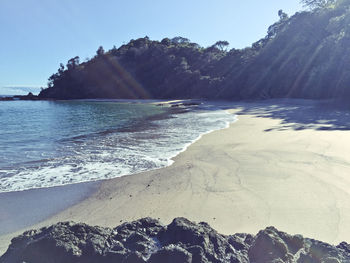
(282, 163)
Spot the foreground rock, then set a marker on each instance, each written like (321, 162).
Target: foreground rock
(147, 240)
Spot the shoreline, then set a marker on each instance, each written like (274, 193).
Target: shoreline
(38, 204)
(28, 199)
(265, 169)
(162, 136)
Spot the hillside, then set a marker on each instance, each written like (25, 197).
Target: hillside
(304, 56)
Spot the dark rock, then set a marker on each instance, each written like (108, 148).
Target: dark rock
(6, 98)
(171, 254)
(198, 255)
(187, 104)
(148, 241)
(134, 257)
(67, 241)
(29, 96)
(271, 245)
(182, 231)
(114, 256)
(268, 246)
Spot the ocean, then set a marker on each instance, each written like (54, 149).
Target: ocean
(52, 143)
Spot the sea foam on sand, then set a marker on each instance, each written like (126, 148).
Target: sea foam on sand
(121, 153)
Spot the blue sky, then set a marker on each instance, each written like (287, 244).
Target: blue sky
(37, 35)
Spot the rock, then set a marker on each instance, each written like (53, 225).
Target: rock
(67, 241)
(268, 246)
(215, 246)
(29, 96)
(187, 104)
(271, 245)
(331, 260)
(134, 257)
(148, 241)
(6, 98)
(171, 254)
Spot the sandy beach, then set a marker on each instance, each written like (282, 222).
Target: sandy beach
(282, 163)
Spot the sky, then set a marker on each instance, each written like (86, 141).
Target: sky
(37, 35)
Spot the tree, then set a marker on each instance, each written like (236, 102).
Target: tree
(180, 40)
(100, 51)
(52, 79)
(312, 4)
(114, 51)
(72, 63)
(274, 29)
(61, 69)
(166, 41)
(282, 15)
(222, 45)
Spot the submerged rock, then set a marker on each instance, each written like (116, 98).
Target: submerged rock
(148, 241)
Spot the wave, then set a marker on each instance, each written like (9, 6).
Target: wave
(150, 145)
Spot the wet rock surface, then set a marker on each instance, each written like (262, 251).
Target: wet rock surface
(147, 240)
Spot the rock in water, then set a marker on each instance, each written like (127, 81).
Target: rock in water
(147, 240)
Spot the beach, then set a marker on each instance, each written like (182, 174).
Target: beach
(283, 163)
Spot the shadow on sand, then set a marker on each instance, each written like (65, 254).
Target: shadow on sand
(298, 114)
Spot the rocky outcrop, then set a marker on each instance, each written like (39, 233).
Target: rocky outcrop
(6, 98)
(147, 240)
(29, 96)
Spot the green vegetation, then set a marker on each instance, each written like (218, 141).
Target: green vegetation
(143, 69)
(317, 3)
(304, 56)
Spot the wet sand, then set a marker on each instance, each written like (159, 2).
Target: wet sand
(283, 163)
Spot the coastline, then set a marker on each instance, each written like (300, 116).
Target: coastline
(141, 138)
(268, 168)
(21, 209)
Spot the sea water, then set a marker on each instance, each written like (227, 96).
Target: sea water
(51, 143)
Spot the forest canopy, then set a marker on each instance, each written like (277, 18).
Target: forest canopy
(306, 55)
(317, 3)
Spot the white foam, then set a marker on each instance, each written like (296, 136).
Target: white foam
(121, 153)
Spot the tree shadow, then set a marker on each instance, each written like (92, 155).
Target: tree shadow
(300, 114)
